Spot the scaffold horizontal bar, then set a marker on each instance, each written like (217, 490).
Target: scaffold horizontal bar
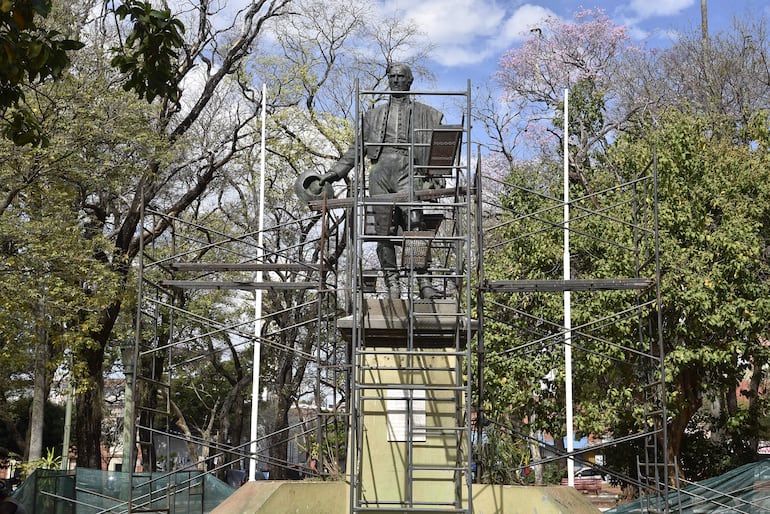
(588, 284)
(242, 266)
(245, 285)
(409, 387)
(425, 194)
(417, 352)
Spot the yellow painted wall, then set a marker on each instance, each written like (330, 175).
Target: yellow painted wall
(384, 474)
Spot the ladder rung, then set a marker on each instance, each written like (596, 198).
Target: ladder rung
(368, 366)
(413, 387)
(415, 353)
(150, 409)
(442, 507)
(440, 468)
(153, 382)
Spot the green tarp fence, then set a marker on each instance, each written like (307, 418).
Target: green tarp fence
(90, 491)
(743, 490)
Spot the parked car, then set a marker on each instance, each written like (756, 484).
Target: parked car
(590, 473)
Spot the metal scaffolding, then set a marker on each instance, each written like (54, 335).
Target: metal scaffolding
(629, 209)
(203, 262)
(411, 358)
(414, 367)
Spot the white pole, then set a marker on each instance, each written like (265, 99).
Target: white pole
(258, 302)
(567, 304)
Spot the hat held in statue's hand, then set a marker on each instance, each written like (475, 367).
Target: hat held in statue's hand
(308, 187)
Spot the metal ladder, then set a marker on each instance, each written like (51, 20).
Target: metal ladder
(411, 375)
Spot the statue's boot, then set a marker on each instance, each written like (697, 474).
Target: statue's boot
(392, 283)
(427, 291)
(386, 253)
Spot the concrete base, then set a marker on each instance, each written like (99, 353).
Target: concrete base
(308, 497)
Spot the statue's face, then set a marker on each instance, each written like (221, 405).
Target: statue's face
(399, 78)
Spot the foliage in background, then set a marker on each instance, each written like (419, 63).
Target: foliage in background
(711, 154)
(29, 54)
(14, 422)
(149, 52)
(69, 212)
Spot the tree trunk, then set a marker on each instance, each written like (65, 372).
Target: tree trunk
(89, 402)
(535, 455)
(561, 449)
(688, 382)
(39, 394)
(236, 429)
(757, 376)
(231, 429)
(235, 48)
(88, 410)
(279, 440)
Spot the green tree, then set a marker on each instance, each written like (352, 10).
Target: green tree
(30, 54)
(111, 173)
(524, 341)
(199, 146)
(713, 220)
(709, 138)
(51, 245)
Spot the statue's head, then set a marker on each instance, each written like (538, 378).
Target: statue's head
(400, 77)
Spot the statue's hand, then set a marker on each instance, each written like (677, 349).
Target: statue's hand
(328, 178)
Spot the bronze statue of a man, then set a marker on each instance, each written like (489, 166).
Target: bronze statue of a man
(397, 124)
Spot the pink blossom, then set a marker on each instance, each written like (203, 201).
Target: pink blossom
(591, 51)
(561, 53)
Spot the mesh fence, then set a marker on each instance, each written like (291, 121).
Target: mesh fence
(89, 491)
(742, 490)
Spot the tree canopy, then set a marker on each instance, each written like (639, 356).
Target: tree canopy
(31, 54)
(707, 143)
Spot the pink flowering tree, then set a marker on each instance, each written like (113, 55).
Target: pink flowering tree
(589, 56)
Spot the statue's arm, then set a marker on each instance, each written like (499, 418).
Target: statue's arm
(345, 163)
(342, 167)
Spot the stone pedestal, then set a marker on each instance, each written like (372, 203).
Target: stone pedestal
(385, 322)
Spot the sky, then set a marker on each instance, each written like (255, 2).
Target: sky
(470, 36)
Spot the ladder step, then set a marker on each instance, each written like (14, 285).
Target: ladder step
(412, 368)
(440, 468)
(406, 387)
(154, 382)
(149, 409)
(401, 509)
(415, 353)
